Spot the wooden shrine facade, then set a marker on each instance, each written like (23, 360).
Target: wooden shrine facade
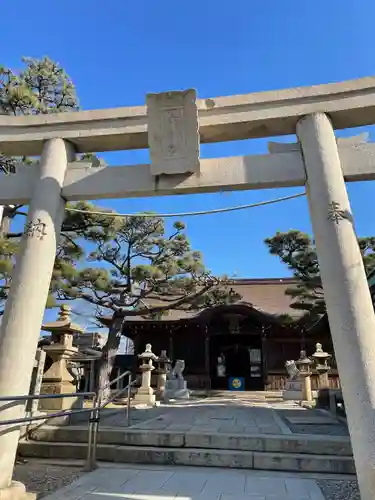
(254, 343)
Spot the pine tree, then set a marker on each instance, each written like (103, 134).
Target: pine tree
(297, 250)
(140, 270)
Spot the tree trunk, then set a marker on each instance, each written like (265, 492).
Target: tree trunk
(6, 220)
(107, 360)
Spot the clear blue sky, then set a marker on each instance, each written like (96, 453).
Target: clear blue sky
(117, 51)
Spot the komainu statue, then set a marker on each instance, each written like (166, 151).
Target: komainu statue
(292, 369)
(178, 369)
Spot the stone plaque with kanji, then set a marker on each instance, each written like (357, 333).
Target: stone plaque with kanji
(173, 132)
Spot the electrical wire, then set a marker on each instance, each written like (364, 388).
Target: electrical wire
(190, 214)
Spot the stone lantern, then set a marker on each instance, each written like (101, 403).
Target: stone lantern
(304, 366)
(164, 366)
(321, 364)
(145, 394)
(57, 379)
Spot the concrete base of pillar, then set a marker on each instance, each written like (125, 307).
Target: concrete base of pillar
(145, 399)
(55, 405)
(145, 395)
(16, 491)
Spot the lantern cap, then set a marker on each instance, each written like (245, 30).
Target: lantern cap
(148, 354)
(319, 353)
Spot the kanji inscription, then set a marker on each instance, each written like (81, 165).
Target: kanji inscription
(335, 212)
(36, 229)
(173, 132)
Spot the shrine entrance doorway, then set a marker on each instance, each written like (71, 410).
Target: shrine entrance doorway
(236, 355)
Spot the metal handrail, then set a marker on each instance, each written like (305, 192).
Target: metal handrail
(93, 435)
(93, 424)
(23, 420)
(93, 438)
(89, 464)
(120, 377)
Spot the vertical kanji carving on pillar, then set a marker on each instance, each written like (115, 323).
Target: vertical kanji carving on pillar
(336, 213)
(36, 228)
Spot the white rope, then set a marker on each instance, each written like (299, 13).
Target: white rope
(191, 214)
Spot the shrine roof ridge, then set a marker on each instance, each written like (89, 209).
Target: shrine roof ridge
(262, 281)
(263, 114)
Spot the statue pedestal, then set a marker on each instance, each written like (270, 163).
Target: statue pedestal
(293, 390)
(176, 389)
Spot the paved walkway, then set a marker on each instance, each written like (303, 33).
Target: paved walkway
(228, 413)
(187, 483)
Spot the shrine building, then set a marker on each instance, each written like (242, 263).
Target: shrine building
(252, 338)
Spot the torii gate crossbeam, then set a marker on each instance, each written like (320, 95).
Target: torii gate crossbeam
(279, 169)
(172, 124)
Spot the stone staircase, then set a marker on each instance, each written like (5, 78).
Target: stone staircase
(298, 452)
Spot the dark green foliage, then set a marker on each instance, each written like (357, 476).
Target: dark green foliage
(297, 250)
(138, 268)
(137, 265)
(41, 87)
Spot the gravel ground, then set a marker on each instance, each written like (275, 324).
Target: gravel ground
(339, 490)
(44, 479)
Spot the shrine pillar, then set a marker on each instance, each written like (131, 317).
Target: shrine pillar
(21, 323)
(346, 292)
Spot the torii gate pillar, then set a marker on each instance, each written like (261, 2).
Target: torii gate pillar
(24, 310)
(346, 292)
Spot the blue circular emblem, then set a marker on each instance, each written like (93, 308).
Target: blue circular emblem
(236, 383)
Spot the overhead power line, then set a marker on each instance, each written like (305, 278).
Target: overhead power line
(191, 214)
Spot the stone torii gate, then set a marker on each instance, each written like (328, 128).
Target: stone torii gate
(172, 125)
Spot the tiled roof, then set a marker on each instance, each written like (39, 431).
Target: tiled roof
(266, 295)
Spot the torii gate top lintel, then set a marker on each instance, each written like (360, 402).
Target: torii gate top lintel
(263, 114)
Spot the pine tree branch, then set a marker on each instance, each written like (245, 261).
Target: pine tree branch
(13, 235)
(182, 300)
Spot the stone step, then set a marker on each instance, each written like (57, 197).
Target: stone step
(291, 462)
(297, 443)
